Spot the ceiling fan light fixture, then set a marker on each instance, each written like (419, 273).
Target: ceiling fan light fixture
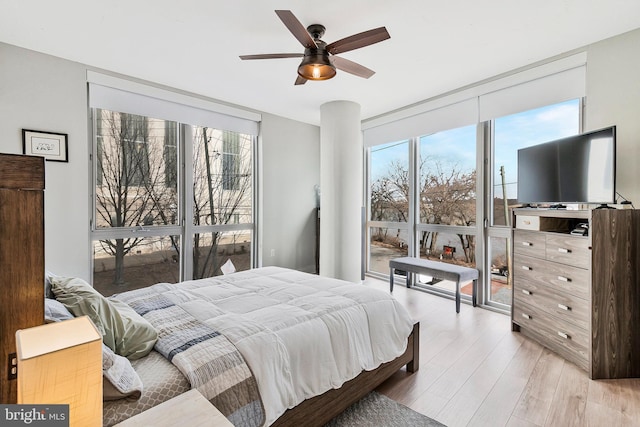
(316, 67)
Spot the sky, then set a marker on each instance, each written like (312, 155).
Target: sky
(458, 146)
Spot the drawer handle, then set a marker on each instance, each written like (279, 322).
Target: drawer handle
(526, 267)
(564, 250)
(564, 279)
(526, 292)
(563, 335)
(526, 316)
(564, 307)
(527, 244)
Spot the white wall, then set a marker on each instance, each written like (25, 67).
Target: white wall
(42, 92)
(290, 174)
(45, 93)
(613, 98)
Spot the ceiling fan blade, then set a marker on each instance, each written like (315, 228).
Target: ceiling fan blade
(272, 56)
(297, 29)
(300, 80)
(351, 67)
(359, 40)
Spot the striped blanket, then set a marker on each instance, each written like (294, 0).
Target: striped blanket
(210, 362)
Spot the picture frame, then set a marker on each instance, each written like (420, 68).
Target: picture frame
(50, 145)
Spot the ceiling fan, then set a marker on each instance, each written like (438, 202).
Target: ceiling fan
(319, 59)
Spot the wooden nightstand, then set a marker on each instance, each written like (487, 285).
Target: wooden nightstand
(188, 409)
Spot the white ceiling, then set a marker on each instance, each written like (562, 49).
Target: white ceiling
(436, 46)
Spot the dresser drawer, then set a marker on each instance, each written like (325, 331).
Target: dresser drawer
(566, 279)
(565, 307)
(529, 243)
(568, 249)
(541, 223)
(528, 268)
(567, 340)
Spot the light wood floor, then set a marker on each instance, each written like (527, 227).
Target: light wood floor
(475, 372)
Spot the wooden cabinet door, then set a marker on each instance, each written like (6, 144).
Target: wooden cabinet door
(21, 256)
(615, 294)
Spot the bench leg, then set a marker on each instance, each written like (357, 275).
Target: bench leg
(458, 296)
(391, 271)
(473, 290)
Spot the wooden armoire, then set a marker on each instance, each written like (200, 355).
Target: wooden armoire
(21, 258)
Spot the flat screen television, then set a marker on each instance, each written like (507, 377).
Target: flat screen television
(576, 169)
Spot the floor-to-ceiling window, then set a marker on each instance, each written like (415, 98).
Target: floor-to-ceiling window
(222, 183)
(447, 187)
(388, 204)
(510, 133)
(171, 200)
(137, 238)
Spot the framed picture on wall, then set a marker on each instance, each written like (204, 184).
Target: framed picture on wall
(50, 145)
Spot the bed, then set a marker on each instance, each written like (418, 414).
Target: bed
(310, 345)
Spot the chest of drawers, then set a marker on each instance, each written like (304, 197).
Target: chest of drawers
(579, 295)
(551, 291)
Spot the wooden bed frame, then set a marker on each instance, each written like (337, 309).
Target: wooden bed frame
(319, 410)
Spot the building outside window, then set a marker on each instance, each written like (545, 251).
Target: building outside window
(230, 160)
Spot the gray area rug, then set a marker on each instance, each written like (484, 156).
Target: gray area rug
(377, 410)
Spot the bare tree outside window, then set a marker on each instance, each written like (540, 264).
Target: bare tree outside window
(447, 196)
(171, 154)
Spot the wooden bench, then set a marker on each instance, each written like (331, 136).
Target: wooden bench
(435, 269)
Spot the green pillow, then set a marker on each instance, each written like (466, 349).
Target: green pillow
(123, 330)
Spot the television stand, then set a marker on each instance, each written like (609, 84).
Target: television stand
(558, 206)
(605, 206)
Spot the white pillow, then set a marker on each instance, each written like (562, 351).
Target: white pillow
(55, 311)
(121, 381)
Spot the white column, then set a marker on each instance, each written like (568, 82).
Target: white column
(341, 188)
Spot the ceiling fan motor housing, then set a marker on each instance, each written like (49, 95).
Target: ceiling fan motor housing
(316, 31)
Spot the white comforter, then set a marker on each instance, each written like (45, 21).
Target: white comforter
(301, 334)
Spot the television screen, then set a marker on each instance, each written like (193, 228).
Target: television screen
(577, 169)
